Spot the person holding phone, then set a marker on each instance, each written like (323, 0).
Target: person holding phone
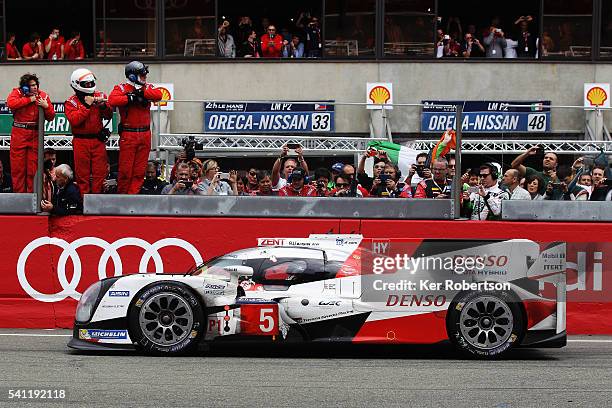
(73, 49)
(279, 179)
(216, 183)
(183, 184)
(24, 102)
(549, 165)
(32, 50)
(54, 45)
(271, 43)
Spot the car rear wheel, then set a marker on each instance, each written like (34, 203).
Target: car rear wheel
(485, 324)
(166, 319)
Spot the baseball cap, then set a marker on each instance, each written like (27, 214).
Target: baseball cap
(338, 167)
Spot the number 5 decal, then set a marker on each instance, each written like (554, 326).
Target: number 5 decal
(266, 318)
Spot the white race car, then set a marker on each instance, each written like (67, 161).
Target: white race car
(486, 297)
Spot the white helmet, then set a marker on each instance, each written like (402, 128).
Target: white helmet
(83, 80)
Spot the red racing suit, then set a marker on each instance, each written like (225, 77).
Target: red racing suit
(90, 158)
(135, 134)
(24, 138)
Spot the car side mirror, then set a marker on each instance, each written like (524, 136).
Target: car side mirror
(236, 271)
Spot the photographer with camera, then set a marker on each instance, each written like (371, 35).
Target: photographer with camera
(380, 160)
(343, 187)
(86, 111)
(471, 47)
(24, 102)
(495, 42)
(216, 183)
(387, 184)
(549, 165)
(183, 184)
(418, 172)
(133, 98)
(288, 164)
(322, 177)
(271, 43)
(73, 49)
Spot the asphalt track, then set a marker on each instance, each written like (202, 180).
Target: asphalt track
(319, 376)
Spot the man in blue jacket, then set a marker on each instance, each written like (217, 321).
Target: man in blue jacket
(66, 198)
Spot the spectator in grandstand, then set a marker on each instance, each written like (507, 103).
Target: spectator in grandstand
(183, 184)
(241, 182)
(225, 41)
(73, 49)
(251, 47)
(313, 38)
(418, 172)
(252, 184)
(265, 185)
(601, 186)
(86, 111)
(322, 177)
(50, 154)
(294, 48)
(439, 43)
(288, 164)
(377, 169)
(451, 167)
(212, 184)
(336, 169)
(196, 170)
(198, 31)
(437, 186)
(549, 166)
(533, 184)
(133, 98)
(344, 188)
(25, 101)
(11, 50)
(512, 180)
(548, 44)
(585, 183)
(297, 185)
(486, 203)
(471, 47)
(527, 43)
(54, 45)
(348, 172)
(495, 42)
(449, 46)
(387, 184)
(244, 30)
(6, 183)
(32, 50)
(66, 198)
(152, 185)
(271, 43)
(471, 178)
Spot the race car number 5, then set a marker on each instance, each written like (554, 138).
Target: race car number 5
(266, 318)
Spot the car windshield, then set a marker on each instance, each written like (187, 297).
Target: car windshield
(215, 266)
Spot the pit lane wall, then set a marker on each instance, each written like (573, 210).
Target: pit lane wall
(45, 258)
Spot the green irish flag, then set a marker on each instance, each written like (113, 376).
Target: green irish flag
(400, 155)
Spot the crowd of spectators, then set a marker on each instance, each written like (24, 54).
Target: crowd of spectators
(483, 187)
(519, 41)
(52, 48)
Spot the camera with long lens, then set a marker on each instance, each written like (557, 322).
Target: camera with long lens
(190, 145)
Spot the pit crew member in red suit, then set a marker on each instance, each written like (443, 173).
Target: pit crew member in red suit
(133, 98)
(24, 102)
(85, 111)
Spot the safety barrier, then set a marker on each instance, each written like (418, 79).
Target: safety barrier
(557, 210)
(49, 261)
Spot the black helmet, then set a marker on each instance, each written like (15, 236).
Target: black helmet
(134, 69)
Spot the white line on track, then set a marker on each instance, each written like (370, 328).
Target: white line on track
(35, 335)
(589, 341)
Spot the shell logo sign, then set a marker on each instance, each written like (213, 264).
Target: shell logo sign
(167, 91)
(597, 95)
(379, 93)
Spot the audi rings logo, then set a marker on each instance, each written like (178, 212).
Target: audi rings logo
(69, 250)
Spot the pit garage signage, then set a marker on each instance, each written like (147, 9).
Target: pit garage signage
(277, 117)
(58, 126)
(488, 116)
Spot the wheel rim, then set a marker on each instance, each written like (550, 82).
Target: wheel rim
(166, 319)
(486, 322)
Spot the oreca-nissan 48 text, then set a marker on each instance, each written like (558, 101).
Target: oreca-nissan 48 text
(486, 297)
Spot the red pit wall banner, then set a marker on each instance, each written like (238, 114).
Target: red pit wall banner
(46, 259)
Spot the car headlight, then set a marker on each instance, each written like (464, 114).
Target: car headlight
(87, 302)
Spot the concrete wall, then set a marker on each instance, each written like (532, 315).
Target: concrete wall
(562, 83)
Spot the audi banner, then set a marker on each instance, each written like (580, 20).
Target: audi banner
(49, 261)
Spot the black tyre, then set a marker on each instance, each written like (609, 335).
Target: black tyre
(485, 324)
(166, 318)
